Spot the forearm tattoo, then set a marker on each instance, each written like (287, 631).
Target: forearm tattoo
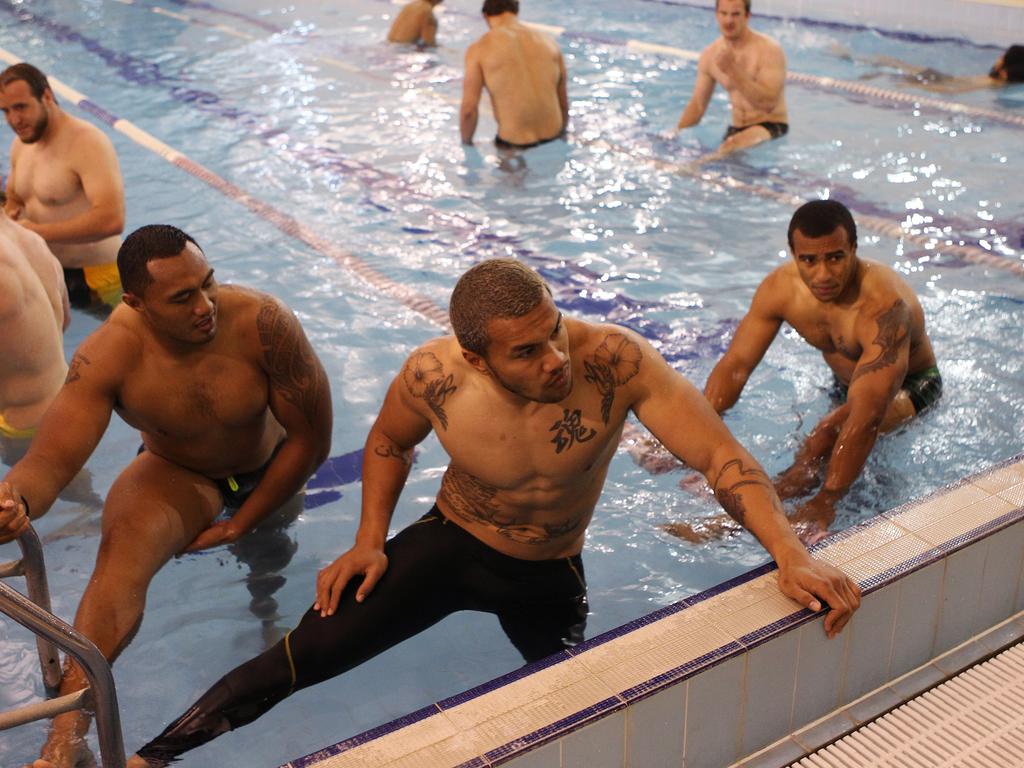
(615, 361)
(75, 369)
(424, 378)
(893, 329)
(294, 369)
(389, 451)
(730, 496)
(473, 501)
(569, 430)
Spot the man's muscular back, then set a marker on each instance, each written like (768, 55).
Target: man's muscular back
(32, 317)
(522, 69)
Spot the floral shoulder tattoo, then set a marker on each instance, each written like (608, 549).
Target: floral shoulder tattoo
(615, 361)
(425, 379)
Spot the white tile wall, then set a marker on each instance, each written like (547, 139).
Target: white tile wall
(599, 745)
(714, 702)
(654, 729)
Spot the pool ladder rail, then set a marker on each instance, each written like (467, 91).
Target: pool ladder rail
(33, 612)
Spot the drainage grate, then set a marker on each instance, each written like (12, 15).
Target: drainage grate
(974, 720)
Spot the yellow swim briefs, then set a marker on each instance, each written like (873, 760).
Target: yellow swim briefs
(105, 281)
(15, 433)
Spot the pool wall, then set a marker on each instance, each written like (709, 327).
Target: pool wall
(718, 676)
(996, 22)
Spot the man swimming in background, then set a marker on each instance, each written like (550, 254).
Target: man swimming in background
(524, 73)
(33, 316)
(65, 185)
(1008, 69)
(870, 329)
(529, 406)
(752, 69)
(234, 410)
(415, 23)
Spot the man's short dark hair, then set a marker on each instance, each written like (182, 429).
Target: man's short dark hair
(746, 4)
(493, 289)
(35, 79)
(1013, 63)
(819, 218)
(498, 7)
(153, 241)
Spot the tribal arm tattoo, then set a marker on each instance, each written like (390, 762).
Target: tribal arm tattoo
(294, 368)
(425, 379)
(731, 496)
(473, 501)
(893, 330)
(615, 361)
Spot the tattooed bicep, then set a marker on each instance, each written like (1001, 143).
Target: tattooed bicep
(291, 362)
(893, 329)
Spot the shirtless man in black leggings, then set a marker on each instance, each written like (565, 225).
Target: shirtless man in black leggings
(530, 406)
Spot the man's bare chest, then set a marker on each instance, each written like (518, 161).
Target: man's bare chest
(40, 179)
(182, 401)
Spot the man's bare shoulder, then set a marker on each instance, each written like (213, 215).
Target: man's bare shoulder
(881, 285)
(112, 350)
(778, 289)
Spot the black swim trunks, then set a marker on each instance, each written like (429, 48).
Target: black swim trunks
(435, 568)
(775, 130)
(923, 388)
(500, 143)
(234, 490)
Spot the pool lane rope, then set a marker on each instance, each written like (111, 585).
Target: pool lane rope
(425, 306)
(283, 221)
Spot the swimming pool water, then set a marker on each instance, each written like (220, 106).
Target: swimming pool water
(304, 108)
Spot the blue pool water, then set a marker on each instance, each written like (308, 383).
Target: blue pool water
(303, 108)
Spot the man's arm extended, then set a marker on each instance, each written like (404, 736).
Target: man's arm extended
(67, 436)
(701, 97)
(885, 341)
(754, 335)
(387, 457)
(676, 413)
(472, 88)
(300, 399)
(96, 164)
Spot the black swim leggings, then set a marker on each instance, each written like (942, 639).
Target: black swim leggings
(435, 568)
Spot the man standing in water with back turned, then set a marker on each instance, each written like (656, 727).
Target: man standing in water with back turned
(33, 316)
(65, 185)
(415, 23)
(234, 410)
(752, 68)
(524, 73)
(529, 406)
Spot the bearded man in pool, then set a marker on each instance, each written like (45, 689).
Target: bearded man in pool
(529, 406)
(234, 410)
(870, 329)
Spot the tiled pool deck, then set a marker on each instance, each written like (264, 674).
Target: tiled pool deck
(720, 675)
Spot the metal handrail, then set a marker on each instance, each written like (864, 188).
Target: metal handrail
(33, 568)
(100, 696)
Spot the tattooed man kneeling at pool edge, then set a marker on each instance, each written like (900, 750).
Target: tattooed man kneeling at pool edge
(530, 406)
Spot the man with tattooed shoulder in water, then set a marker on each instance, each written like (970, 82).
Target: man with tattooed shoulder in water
(529, 406)
(869, 327)
(234, 410)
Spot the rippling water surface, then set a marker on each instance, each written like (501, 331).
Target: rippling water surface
(305, 110)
